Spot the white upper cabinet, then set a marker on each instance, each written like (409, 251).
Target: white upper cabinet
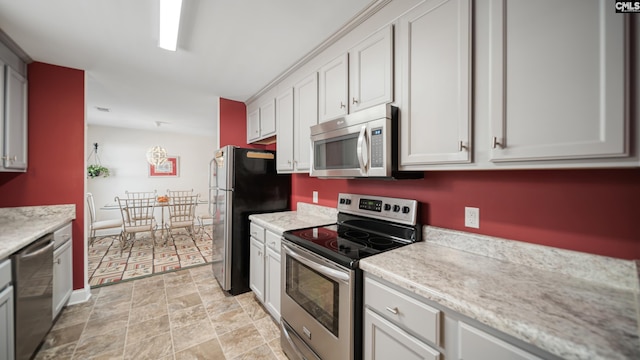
(261, 122)
(13, 112)
(305, 115)
(296, 112)
(253, 125)
(284, 118)
(359, 79)
(435, 56)
(557, 80)
(371, 71)
(334, 84)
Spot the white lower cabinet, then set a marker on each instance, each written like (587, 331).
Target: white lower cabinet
(384, 340)
(272, 283)
(62, 268)
(473, 342)
(256, 271)
(6, 312)
(264, 274)
(399, 324)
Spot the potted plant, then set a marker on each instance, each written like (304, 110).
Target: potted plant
(96, 170)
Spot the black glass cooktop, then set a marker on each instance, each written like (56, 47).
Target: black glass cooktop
(344, 244)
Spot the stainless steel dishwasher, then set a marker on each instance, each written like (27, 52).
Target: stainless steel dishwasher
(33, 289)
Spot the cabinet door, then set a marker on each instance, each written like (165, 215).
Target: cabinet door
(272, 284)
(253, 125)
(333, 89)
(268, 118)
(284, 116)
(383, 340)
(62, 277)
(6, 324)
(474, 342)
(305, 115)
(371, 71)
(256, 268)
(15, 136)
(557, 91)
(435, 55)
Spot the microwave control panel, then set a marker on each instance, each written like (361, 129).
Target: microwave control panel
(377, 147)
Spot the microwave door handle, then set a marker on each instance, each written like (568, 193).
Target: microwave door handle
(361, 150)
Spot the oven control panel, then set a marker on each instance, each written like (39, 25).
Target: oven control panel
(403, 211)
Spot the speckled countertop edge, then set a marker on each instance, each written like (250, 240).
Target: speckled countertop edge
(19, 226)
(569, 316)
(307, 215)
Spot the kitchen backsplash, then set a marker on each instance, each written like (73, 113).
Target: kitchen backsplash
(317, 210)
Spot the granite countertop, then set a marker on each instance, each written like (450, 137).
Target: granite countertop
(307, 215)
(22, 225)
(573, 305)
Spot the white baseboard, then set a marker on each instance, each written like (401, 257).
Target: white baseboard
(80, 295)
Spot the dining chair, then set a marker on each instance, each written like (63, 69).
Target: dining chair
(182, 211)
(172, 193)
(94, 225)
(137, 217)
(141, 194)
(204, 221)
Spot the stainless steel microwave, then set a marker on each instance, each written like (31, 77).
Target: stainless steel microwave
(360, 145)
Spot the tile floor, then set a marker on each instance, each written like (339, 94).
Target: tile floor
(176, 315)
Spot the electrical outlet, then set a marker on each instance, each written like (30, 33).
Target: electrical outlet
(315, 197)
(472, 217)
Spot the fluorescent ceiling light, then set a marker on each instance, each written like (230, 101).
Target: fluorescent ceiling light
(169, 23)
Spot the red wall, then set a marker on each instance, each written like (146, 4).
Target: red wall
(55, 173)
(233, 125)
(592, 211)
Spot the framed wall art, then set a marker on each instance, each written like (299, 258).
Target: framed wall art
(167, 169)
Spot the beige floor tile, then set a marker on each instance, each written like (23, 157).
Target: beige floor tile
(276, 347)
(222, 305)
(246, 298)
(262, 352)
(110, 309)
(102, 325)
(55, 353)
(207, 350)
(146, 329)
(107, 344)
(142, 298)
(255, 311)
(192, 334)
(151, 347)
(230, 320)
(268, 328)
(147, 312)
(237, 342)
(69, 318)
(183, 317)
(183, 302)
(178, 290)
(63, 336)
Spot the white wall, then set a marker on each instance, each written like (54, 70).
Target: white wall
(123, 151)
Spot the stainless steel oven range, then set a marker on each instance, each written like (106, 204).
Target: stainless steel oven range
(321, 297)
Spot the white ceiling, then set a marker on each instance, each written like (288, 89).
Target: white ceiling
(226, 48)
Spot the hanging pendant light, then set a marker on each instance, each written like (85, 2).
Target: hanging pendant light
(156, 155)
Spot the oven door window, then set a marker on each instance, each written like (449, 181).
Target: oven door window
(314, 292)
(336, 153)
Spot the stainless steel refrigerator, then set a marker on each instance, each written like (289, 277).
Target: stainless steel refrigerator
(241, 182)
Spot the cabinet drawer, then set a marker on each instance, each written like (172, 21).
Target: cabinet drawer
(403, 310)
(474, 341)
(273, 241)
(257, 232)
(5, 273)
(62, 235)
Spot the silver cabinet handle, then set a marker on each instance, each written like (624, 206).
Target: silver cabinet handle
(394, 310)
(342, 106)
(462, 146)
(496, 143)
(354, 101)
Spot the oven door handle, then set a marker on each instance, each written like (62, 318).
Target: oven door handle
(324, 270)
(362, 149)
